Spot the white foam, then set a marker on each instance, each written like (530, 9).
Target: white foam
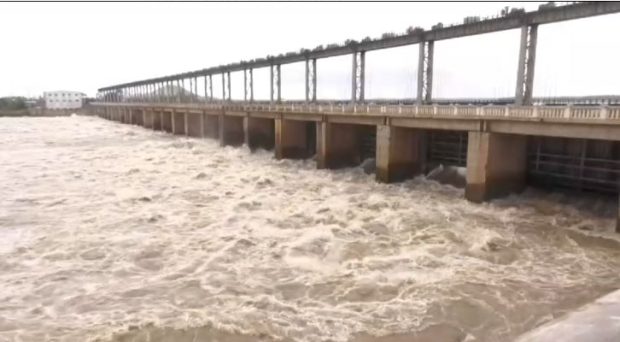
(107, 225)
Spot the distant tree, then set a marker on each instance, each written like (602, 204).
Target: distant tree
(13, 103)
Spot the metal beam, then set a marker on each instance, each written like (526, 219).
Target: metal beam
(314, 80)
(211, 87)
(425, 72)
(245, 84)
(275, 83)
(251, 85)
(229, 92)
(358, 82)
(223, 86)
(307, 79)
(544, 16)
(525, 70)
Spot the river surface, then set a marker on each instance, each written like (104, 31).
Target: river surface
(112, 232)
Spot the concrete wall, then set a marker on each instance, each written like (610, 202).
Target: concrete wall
(259, 133)
(338, 145)
(291, 139)
(496, 165)
(401, 153)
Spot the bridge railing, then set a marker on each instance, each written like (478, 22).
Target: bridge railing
(559, 113)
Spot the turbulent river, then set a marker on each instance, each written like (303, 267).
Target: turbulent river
(111, 232)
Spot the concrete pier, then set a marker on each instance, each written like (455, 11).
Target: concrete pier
(503, 148)
(194, 125)
(259, 132)
(339, 146)
(496, 165)
(157, 115)
(178, 123)
(231, 131)
(400, 154)
(166, 121)
(291, 139)
(211, 126)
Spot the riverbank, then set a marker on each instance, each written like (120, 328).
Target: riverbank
(598, 321)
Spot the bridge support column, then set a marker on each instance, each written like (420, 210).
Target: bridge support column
(338, 146)
(195, 124)
(496, 165)
(178, 123)
(211, 127)
(525, 69)
(401, 153)
(231, 130)
(157, 120)
(425, 72)
(166, 121)
(292, 139)
(259, 132)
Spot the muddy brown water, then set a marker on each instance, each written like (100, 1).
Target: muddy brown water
(112, 232)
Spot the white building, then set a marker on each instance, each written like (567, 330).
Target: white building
(61, 99)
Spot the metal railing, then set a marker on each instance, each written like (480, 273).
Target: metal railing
(543, 113)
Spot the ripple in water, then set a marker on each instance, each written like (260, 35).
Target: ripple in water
(112, 232)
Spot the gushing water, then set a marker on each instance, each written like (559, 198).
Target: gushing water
(112, 232)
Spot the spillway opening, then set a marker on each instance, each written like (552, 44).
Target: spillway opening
(231, 130)
(211, 126)
(446, 156)
(260, 133)
(574, 165)
(178, 123)
(137, 117)
(349, 144)
(166, 121)
(194, 123)
(448, 148)
(156, 121)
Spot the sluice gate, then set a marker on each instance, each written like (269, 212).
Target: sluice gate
(574, 164)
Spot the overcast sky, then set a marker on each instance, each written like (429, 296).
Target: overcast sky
(82, 47)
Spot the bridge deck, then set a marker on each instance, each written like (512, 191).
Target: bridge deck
(588, 122)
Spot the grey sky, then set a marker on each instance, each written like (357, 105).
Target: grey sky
(79, 46)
